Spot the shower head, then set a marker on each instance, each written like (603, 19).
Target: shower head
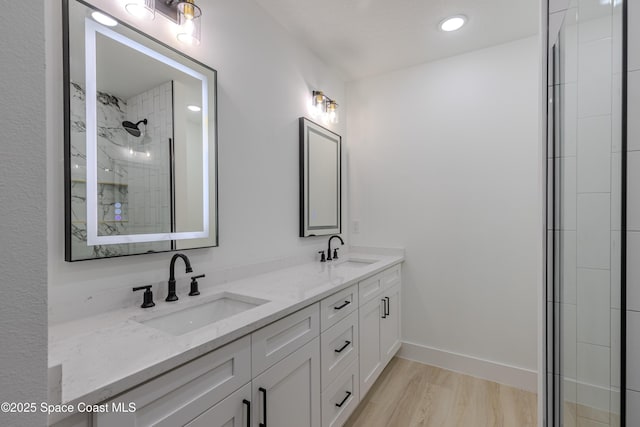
(133, 128)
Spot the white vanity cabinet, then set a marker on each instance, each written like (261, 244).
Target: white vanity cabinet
(379, 323)
(308, 369)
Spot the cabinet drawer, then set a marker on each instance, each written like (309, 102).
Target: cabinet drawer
(338, 348)
(338, 306)
(279, 339)
(374, 285)
(341, 398)
(180, 395)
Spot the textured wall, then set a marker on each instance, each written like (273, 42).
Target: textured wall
(23, 246)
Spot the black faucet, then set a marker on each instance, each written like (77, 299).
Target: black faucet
(329, 250)
(171, 296)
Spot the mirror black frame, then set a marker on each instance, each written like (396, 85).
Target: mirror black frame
(213, 144)
(305, 229)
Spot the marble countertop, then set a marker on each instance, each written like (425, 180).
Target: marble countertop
(104, 355)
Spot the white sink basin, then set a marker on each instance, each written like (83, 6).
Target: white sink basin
(355, 263)
(189, 319)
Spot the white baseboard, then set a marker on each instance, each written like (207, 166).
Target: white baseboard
(521, 378)
(591, 395)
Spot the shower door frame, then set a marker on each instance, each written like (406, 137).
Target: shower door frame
(552, 398)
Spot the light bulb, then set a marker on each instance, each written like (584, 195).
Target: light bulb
(186, 32)
(104, 19)
(141, 8)
(453, 23)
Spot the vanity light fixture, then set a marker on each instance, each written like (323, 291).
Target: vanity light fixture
(145, 9)
(104, 19)
(453, 23)
(324, 107)
(194, 108)
(189, 22)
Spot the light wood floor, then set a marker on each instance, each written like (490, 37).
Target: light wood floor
(410, 394)
(576, 415)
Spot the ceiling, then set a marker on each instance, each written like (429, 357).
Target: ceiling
(368, 37)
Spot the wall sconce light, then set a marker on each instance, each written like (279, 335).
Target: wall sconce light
(189, 22)
(185, 13)
(145, 9)
(324, 107)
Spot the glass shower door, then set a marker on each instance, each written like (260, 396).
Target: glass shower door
(583, 223)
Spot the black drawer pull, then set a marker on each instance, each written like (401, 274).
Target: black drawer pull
(264, 407)
(346, 344)
(340, 307)
(384, 308)
(339, 405)
(388, 313)
(248, 404)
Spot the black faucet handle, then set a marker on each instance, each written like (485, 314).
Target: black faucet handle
(322, 257)
(335, 253)
(194, 285)
(147, 298)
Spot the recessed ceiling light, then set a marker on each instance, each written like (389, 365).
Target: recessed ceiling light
(194, 108)
(104, 19)
(453, 23)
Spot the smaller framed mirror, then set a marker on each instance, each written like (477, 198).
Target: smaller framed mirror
(320, 180)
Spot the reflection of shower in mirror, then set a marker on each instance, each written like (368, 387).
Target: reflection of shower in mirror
(134, 128)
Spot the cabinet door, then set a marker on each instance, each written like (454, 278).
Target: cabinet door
(370, 353)
(390, 325)
(234, 411)
(288, 393)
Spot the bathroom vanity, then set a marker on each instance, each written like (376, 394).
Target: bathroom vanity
(295, 347)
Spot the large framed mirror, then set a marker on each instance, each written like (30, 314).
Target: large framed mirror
(140, 142)
(320, 180)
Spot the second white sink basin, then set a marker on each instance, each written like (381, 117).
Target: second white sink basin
(189, 319)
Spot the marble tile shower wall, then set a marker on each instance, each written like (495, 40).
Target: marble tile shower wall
(112, 177)
(132, 171)
(590, 190)
(633, 214)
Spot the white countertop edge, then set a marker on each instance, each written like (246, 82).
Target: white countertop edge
(121, 384)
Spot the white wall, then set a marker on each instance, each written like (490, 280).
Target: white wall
(23, 255)
(265, 79)
(443, 160)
